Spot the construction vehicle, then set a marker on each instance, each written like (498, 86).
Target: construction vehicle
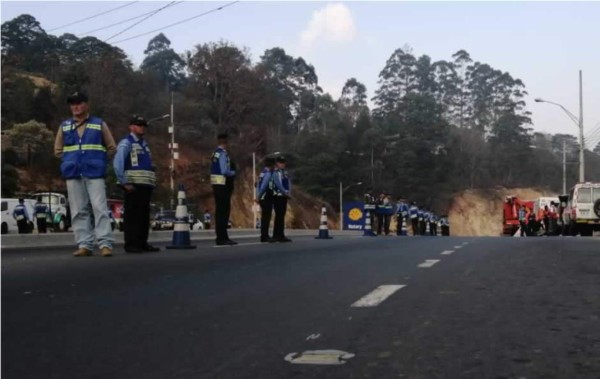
(510, 214)
(582, 213)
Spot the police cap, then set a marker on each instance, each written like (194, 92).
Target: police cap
(223, 135)
(77, 97)
(138, 120)
(280, 159)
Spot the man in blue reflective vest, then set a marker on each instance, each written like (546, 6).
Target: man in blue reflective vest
(445, 225)
(414, 218)
(41, 213)
(401, 214)
(135, 173)
(385, 211)
(432, 223)
(21, 215)
(264, 197)
(282, 187)
(85, 143)
(222, 175)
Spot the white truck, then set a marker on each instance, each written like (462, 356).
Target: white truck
(59, 209)
(582, 214)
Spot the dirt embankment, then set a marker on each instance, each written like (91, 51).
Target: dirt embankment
(479, 212)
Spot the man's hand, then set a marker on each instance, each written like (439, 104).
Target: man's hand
(129, 188)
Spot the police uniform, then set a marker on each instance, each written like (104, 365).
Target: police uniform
(264, 196)
(21, 215)
(281, 186)
(384, 210)
(445, 225)
(414, 218)
(41, 213)
(222, 175)
(207, 220)
(133, 166)
(401, 214)
(432, 224)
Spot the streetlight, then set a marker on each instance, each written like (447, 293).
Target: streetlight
(579, 123)
(341, 202)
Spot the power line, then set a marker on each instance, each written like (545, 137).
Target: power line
(93, 16)
(178, 22)
(120, 22)
(142, 20)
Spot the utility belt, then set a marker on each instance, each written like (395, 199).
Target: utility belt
(20, 217)
(41, 216)
(218, 180)
(142, 177)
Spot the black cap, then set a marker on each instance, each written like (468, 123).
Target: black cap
(269, 161)
(223, 135)
(21, 200)
(280, 159)
(138, 120)
(77, 97)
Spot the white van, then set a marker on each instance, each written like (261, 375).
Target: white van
(582, 214)
(9, 224)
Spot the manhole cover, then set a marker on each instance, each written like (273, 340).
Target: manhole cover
(319, 357)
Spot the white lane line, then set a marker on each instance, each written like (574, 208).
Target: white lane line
(447, 252)
(378, 295)
(458, 247)
(428, 263)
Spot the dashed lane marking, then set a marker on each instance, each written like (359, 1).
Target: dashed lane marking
(377, 296)
(458, 247)
(447, 252)
(428, 263)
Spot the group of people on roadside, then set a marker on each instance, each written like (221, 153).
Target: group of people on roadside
(546, 219)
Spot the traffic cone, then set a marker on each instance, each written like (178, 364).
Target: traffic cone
(367, 230)
(323, 228)
(403, 231)
(181, 229)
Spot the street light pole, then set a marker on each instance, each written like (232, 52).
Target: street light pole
(581, 141)
(564, 191)
(579, 122)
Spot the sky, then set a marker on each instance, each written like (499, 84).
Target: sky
(544, 44)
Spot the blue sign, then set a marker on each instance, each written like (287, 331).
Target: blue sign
(354, 217)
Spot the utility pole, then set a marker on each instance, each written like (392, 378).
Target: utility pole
(564, 191)
(174, 154)
(341, 209)
(581, 141)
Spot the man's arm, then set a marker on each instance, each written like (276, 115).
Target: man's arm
(123, 150)
(224, 167)
(263, 185)
(109, 141)
(278, 184)
(59, 143)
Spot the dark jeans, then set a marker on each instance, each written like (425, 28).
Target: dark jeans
(433, 229)
(422, 227)
(42, 225)
(445, 230)
(222, 194)
(266, 208)
(523, 228)
(136, 220)
(280, 205)
(399, 225)
(383, 222)
(23, 227)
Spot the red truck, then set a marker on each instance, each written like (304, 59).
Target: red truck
(510, 214)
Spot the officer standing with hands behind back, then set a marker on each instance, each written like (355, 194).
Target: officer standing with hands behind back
(264, 197)
(282, 187)
(135, 173)
(222, 175)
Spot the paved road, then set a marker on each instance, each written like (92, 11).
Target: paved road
(489, 308)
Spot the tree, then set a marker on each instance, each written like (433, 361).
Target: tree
(163, 61)
(31, 139)
(354, 100)
(26, 44)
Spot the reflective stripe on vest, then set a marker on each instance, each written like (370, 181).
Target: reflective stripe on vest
(217, 179)
(85, 155)
(138, 165)
(141, 177)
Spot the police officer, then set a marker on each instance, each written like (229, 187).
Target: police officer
(21, 215)
(264, 197)
(85, 143)
(445, 224)
(222, 175)
(385, 211)
(40, 214)
(414, 218)
(206, 219)
(432, 223)
(282, 187)
(135, 173)
(422, 226)
(401, 214)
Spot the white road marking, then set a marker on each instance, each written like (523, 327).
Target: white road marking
(428, 263)
(447, 252)
(458, 247)
(377, 296)
(313, 336)
(319, 357)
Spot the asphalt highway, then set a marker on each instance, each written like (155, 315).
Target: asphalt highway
(389, 307)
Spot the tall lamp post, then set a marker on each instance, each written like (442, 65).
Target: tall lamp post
(579, 123)
(342, 190)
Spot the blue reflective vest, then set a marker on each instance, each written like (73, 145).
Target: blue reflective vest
(41, 210)
(83, 157)
(268, 192)
(216, 176)
(414, 211)
(444, 221)
(285, 182)
(138, 165)
(19, 213)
